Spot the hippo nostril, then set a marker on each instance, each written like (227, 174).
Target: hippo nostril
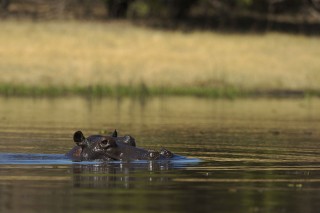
(153, 155)
(166, 153)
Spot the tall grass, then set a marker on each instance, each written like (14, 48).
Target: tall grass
(109, 58)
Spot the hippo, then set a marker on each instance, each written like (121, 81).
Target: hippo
(112, 147)
(84, 149)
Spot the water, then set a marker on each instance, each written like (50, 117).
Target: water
(256, 155)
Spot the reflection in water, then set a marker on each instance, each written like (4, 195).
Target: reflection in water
(147, 187)
(81, 187)
(258, 156)
(117, 175)
(142, 187)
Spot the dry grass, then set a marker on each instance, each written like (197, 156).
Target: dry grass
(84, 53)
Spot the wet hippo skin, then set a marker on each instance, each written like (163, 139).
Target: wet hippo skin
(112, 147)
(90, 148)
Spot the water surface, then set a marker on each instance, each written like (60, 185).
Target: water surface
(256, 155)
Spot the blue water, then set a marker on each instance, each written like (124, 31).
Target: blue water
(61, 159)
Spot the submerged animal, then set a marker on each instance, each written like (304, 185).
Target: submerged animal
(112, 147)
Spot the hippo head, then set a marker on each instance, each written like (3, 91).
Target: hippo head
(97, 147)
(111, 147)
(99, 150)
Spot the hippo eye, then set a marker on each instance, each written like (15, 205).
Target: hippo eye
(107, 143)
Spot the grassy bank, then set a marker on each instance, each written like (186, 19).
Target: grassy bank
(144, 91)
(118, 91)
(58, 58)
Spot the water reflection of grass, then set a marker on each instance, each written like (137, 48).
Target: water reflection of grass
(56, 58)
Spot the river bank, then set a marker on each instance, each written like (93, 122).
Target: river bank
(118, 58)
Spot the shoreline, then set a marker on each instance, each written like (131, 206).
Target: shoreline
(120, 59)
(97, 91)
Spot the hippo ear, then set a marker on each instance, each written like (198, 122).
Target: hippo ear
(115, 133)
(78, 137)
(129, 140)
(80, 140)
(107, 143)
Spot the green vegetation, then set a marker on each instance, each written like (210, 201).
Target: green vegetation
(143, 91)
(119, 91)
(120, 59)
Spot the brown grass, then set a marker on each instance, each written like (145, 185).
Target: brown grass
(88, 53)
